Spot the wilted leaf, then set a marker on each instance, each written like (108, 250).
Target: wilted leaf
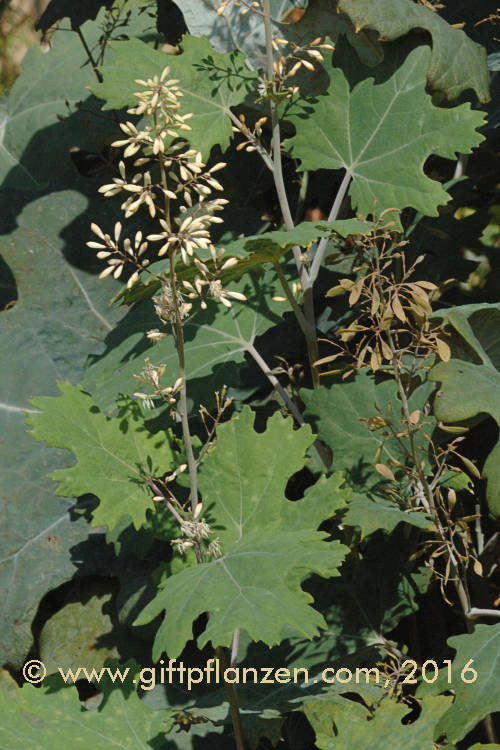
(76, 633)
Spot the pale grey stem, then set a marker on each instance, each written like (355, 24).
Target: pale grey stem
(234, 647)
(461, 166)
(479, 530)
(180, 520)
(475, 612)
(334, 212)
(259, 147)
(275, 382)
(276, 140)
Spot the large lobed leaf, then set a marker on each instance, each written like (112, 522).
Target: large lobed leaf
(269, 544)
(113, 454)
(456, 63)
(52, 718)
(212, 83)
(46, 335)
(41, 119)
(470, 381)
(342, 724)
(380, 126)
(475, 696)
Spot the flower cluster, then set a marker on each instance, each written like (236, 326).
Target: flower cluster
(151, 376)
(194, 530)
(206, 283)
(116, 257)
(172, 182)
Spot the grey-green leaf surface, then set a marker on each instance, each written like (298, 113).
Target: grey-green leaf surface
(470, 381)
(456, 63)
(52, 718)
(46, 335)
(380, 125)
(41, 119)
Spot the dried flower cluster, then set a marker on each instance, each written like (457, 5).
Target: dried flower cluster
(151, 376)
(393, 312)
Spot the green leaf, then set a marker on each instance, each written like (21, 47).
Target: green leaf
(469, 382)
(76, 634)
(474, 698)
(113, 455)
(78, 13)
(216, 341)
(46, 335)
(247, 32)
(52, 718)
(340, 413)
(212, 83)
(253, 252)
(342, 724)
(370, 598)
(380, 126)
(269, 544)
(456, 62)
(371, 514)
(42, 119)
